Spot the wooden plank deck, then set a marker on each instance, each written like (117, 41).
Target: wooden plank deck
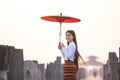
(93, 78)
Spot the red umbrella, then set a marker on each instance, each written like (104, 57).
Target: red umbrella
(60, 18)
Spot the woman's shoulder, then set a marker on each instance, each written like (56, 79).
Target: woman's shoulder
(72, 43)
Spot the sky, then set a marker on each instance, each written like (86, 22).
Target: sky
(97, 33)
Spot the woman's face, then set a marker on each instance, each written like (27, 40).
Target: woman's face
(69, 37)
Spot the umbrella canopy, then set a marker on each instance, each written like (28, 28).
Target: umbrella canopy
(60, 18)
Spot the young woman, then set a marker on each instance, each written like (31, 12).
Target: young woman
(71, 56)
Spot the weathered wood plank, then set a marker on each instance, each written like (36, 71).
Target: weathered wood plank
(56, 69)
(3, 57)
(20, 65)
(3, 75)
(11, 63)
(31, 71)
(42, 69)
(15, 64)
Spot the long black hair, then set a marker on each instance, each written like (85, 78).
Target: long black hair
(77, 56)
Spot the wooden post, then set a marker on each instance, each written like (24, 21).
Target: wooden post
(42, 69)
(3, 75)
(54, 71)
(119, 54)
(3, 57)
(31, 71)
(15, 64)
(3, 62)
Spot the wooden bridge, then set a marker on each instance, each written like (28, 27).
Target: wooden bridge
(13, 67)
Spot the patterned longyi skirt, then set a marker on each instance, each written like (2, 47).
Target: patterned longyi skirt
(70, 70)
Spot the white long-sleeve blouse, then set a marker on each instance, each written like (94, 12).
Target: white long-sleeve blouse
(69, 51)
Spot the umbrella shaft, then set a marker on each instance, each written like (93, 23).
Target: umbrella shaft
(60, 33)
